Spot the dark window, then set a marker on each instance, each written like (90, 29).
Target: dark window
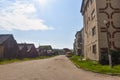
(93, 31)
(91, 1)
(94, 49)
(88, 18)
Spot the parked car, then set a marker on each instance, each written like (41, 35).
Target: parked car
(68, 54)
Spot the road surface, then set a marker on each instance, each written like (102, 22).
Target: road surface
(56, 68)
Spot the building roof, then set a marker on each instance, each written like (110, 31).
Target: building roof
(66, 49)
(21, 46)
(4, 37)
(84, 4)
(29, 46)
(48, 47)
(77, 33)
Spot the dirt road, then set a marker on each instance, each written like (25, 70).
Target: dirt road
(56, 68)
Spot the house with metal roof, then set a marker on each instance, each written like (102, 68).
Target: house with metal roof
(8, 46)
(46, 50)
(31, 51)
(22, 50)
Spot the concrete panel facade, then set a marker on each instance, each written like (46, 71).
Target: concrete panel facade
(98, 15)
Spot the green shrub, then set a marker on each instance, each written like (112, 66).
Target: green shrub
(6, 61)
(115, 58)
(95, 66)
(104, 59)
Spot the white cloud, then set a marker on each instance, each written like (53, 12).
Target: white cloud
(19, 15)
(45, 3)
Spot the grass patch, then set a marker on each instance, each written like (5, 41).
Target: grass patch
(6, 61)
(94, 66)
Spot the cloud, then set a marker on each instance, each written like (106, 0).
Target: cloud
(44, 3)
(20, 15)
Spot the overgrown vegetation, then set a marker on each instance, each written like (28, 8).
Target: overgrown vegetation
(115, 57)
(95, 66)
(6, 61)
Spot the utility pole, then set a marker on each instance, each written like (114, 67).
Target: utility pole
(108, 42)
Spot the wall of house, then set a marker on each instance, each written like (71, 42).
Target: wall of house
(32, 53)
(78, 41)
(1, 52)
(10, 48)
(22, 53)
(96, 14)
(90, 39)
(82, 45)
(108, 11)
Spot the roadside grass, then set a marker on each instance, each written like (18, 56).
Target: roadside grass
(7, 61)
(94, 66)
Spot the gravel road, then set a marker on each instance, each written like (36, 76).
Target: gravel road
(56, 68)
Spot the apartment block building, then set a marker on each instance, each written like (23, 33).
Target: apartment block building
(100, 17)
(78, 43)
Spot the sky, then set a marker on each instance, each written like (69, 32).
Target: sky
(42, 22)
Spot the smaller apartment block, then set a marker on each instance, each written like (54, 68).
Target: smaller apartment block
(78, 43)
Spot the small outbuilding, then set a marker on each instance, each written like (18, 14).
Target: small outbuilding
(31, 51)
(8, 46)
(46, 50)
(22, 50)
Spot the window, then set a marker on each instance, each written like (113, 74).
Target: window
(94, 49)
(93, 14)
(93, 31)
(88, 18)
(91, 1)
